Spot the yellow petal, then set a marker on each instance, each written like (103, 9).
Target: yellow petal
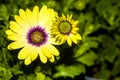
(35, 15)
(45, 51)
(52, 50)
(70, 17)
(8, 32)
(21, 22)
(63, 39)
(75, 23)
(46, 17)
(42, 15)
(22, 13)
(16, 45)
(60, 39)
(42, 57)
(57, 36)
(64, 17)
(54, 32)
(73, 32)
(43, 9)
(48, 20)
(30, 17)
(69, 41)
(52, 59)
(16, 27)
(34, 54)
(53, 41)
(27, 60)
(73, 38)
(78, 36)
(44, 21)
(24, 17)
(24, 53)
(75, 28)
(16, 37)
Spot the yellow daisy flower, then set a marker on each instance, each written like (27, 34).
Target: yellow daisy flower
(31, 32)
(65, 29)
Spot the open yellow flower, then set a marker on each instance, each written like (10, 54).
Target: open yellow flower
(31, 32)
(65, 29)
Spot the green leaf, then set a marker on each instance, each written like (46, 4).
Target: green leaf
(5, 73)
(16, 69)
(2, 38)
(116, 67)
(90, 28)
(117, 39)
(108, 13)
(48, 78)
(106, 40)
(21, 78)
(31, 77)
(104, 74)
(110, 53)
(80, 4)
(40, 76)
(27, 77)
(85, 47)
(88, 58)
(3, 12)
(69, 71)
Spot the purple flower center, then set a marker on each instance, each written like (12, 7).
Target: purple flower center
(37, 36)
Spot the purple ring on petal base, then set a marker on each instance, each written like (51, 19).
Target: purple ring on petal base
(37, 36)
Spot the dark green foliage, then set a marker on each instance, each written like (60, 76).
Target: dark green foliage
(99, 24)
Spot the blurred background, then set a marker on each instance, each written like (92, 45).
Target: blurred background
(95, 57)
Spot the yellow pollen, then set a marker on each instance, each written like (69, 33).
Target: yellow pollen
(36, 37)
